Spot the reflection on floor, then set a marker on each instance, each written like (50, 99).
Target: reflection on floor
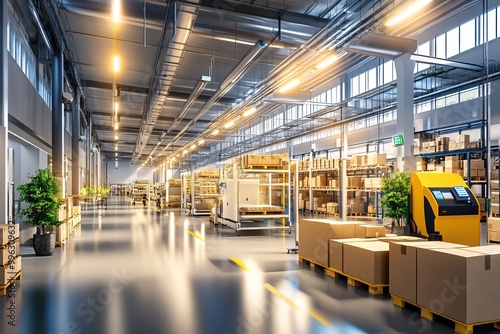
(133, 270)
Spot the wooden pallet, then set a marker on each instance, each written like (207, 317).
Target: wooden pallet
(62, 242)
(460, 327)
(357, 214)
(312, 264)
(373, 289)
(273, 167)
(3, 288)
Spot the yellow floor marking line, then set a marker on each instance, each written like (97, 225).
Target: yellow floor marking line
(295, 306)
(241, 264)
(176, 223)
(195, 235)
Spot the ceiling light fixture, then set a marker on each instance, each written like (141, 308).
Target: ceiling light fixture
(228, 124)
(290, 85)
(116, 10)
(249, 111)
(117, 105)
(116, 63)
(407, 12)
(201, 142)
(116, 137)
(116, 126)
(327, 62)
(215, 132)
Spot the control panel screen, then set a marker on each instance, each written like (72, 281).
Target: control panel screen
(461, 192)
(438, 194)
(447, 195)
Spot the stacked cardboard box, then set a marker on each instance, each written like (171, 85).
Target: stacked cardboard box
(358, 205)
(442, 144)
(367, 261)
(10, 261)
(376, 159)
(336, 251)
(314, 236)
(493, 229)
(332, 183)
(461, 284)
(358, 160)
(451, 164)
(403, 259)
(421, 165)
(476, 168)
(355, 182)
(332, 208)
(369, 231)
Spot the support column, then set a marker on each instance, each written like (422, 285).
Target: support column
(75, 146)
(58, 117)
(405, 123)
(4, 113)
(343, 175)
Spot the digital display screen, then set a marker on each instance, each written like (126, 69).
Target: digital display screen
(461, 192)
(447, 195)
(437, 194)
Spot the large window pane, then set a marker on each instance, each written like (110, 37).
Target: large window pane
(372, 79)
(492, 24)
(468, 35)
(441, 46)
(452, 43)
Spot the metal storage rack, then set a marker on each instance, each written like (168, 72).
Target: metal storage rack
(173, 196)
(255, 199)
(200, 191)
(140, 188)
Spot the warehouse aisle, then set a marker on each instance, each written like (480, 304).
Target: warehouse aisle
(133, 270)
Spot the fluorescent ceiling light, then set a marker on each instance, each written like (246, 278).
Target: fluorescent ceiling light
(215, 132)
(290, 85)
(193, 146)
(116, 10)
(116, 137)
(229, 124)
(116, 63)
(407, 12)
(117, 105)
(201, 142)
(327, 62)
(249, 111)
(116, 126)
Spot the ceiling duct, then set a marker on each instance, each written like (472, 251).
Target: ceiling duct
(245, 63)
(179, 23)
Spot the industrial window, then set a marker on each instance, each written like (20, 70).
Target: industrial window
(468, 35)
(469, 94)
(492, 24)
(441, 46)
(452, 43)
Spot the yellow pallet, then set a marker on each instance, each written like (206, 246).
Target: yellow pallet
(460, 327)
(3, 288)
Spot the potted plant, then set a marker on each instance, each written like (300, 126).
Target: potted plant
(396, 200)
(44, 199)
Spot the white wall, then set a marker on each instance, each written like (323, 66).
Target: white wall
(125, 173)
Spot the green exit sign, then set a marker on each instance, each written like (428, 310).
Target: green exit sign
(398, 140)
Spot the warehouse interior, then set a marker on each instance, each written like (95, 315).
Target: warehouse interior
(214, 157)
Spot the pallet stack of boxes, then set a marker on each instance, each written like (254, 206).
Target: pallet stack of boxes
(9, 254)
(61, 231)
(493, 229)
(495, 198)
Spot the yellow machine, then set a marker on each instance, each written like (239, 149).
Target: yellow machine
(442, 204)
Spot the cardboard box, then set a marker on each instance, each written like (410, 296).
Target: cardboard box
(367, 261)
(369, 231)
(376, 159)
(314, 236)
(494, 224)
(493, 236)
(9, 271)
(403, 266)
(494, 174)
(460, 283)
(264, 159)
(454, 164)
(9, 252)
(494, 184)
(400, 238)
(495, 198)
(8, 233)
(336, 253)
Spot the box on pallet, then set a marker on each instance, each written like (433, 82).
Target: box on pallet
(336, 251)
(367, 261)
(10, 271)
(369, 231)
(494, 174)
(376, 159)
(314, 235)
(403, 266)
(8, 252)
(493, 236)
(8, 233)
(460, 283)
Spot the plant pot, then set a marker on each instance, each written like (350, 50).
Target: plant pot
(398, 230)
(44, 244)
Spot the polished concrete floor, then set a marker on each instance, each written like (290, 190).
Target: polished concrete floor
(133, 270)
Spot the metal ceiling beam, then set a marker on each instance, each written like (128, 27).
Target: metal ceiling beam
(228, 6)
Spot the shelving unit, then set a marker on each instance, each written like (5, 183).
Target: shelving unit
(256, 199)
(319, 180)
(173, 193)
(140, 188)
(200, 191)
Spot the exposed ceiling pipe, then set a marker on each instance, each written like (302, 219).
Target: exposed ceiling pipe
(183, 17)
(250, 57)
